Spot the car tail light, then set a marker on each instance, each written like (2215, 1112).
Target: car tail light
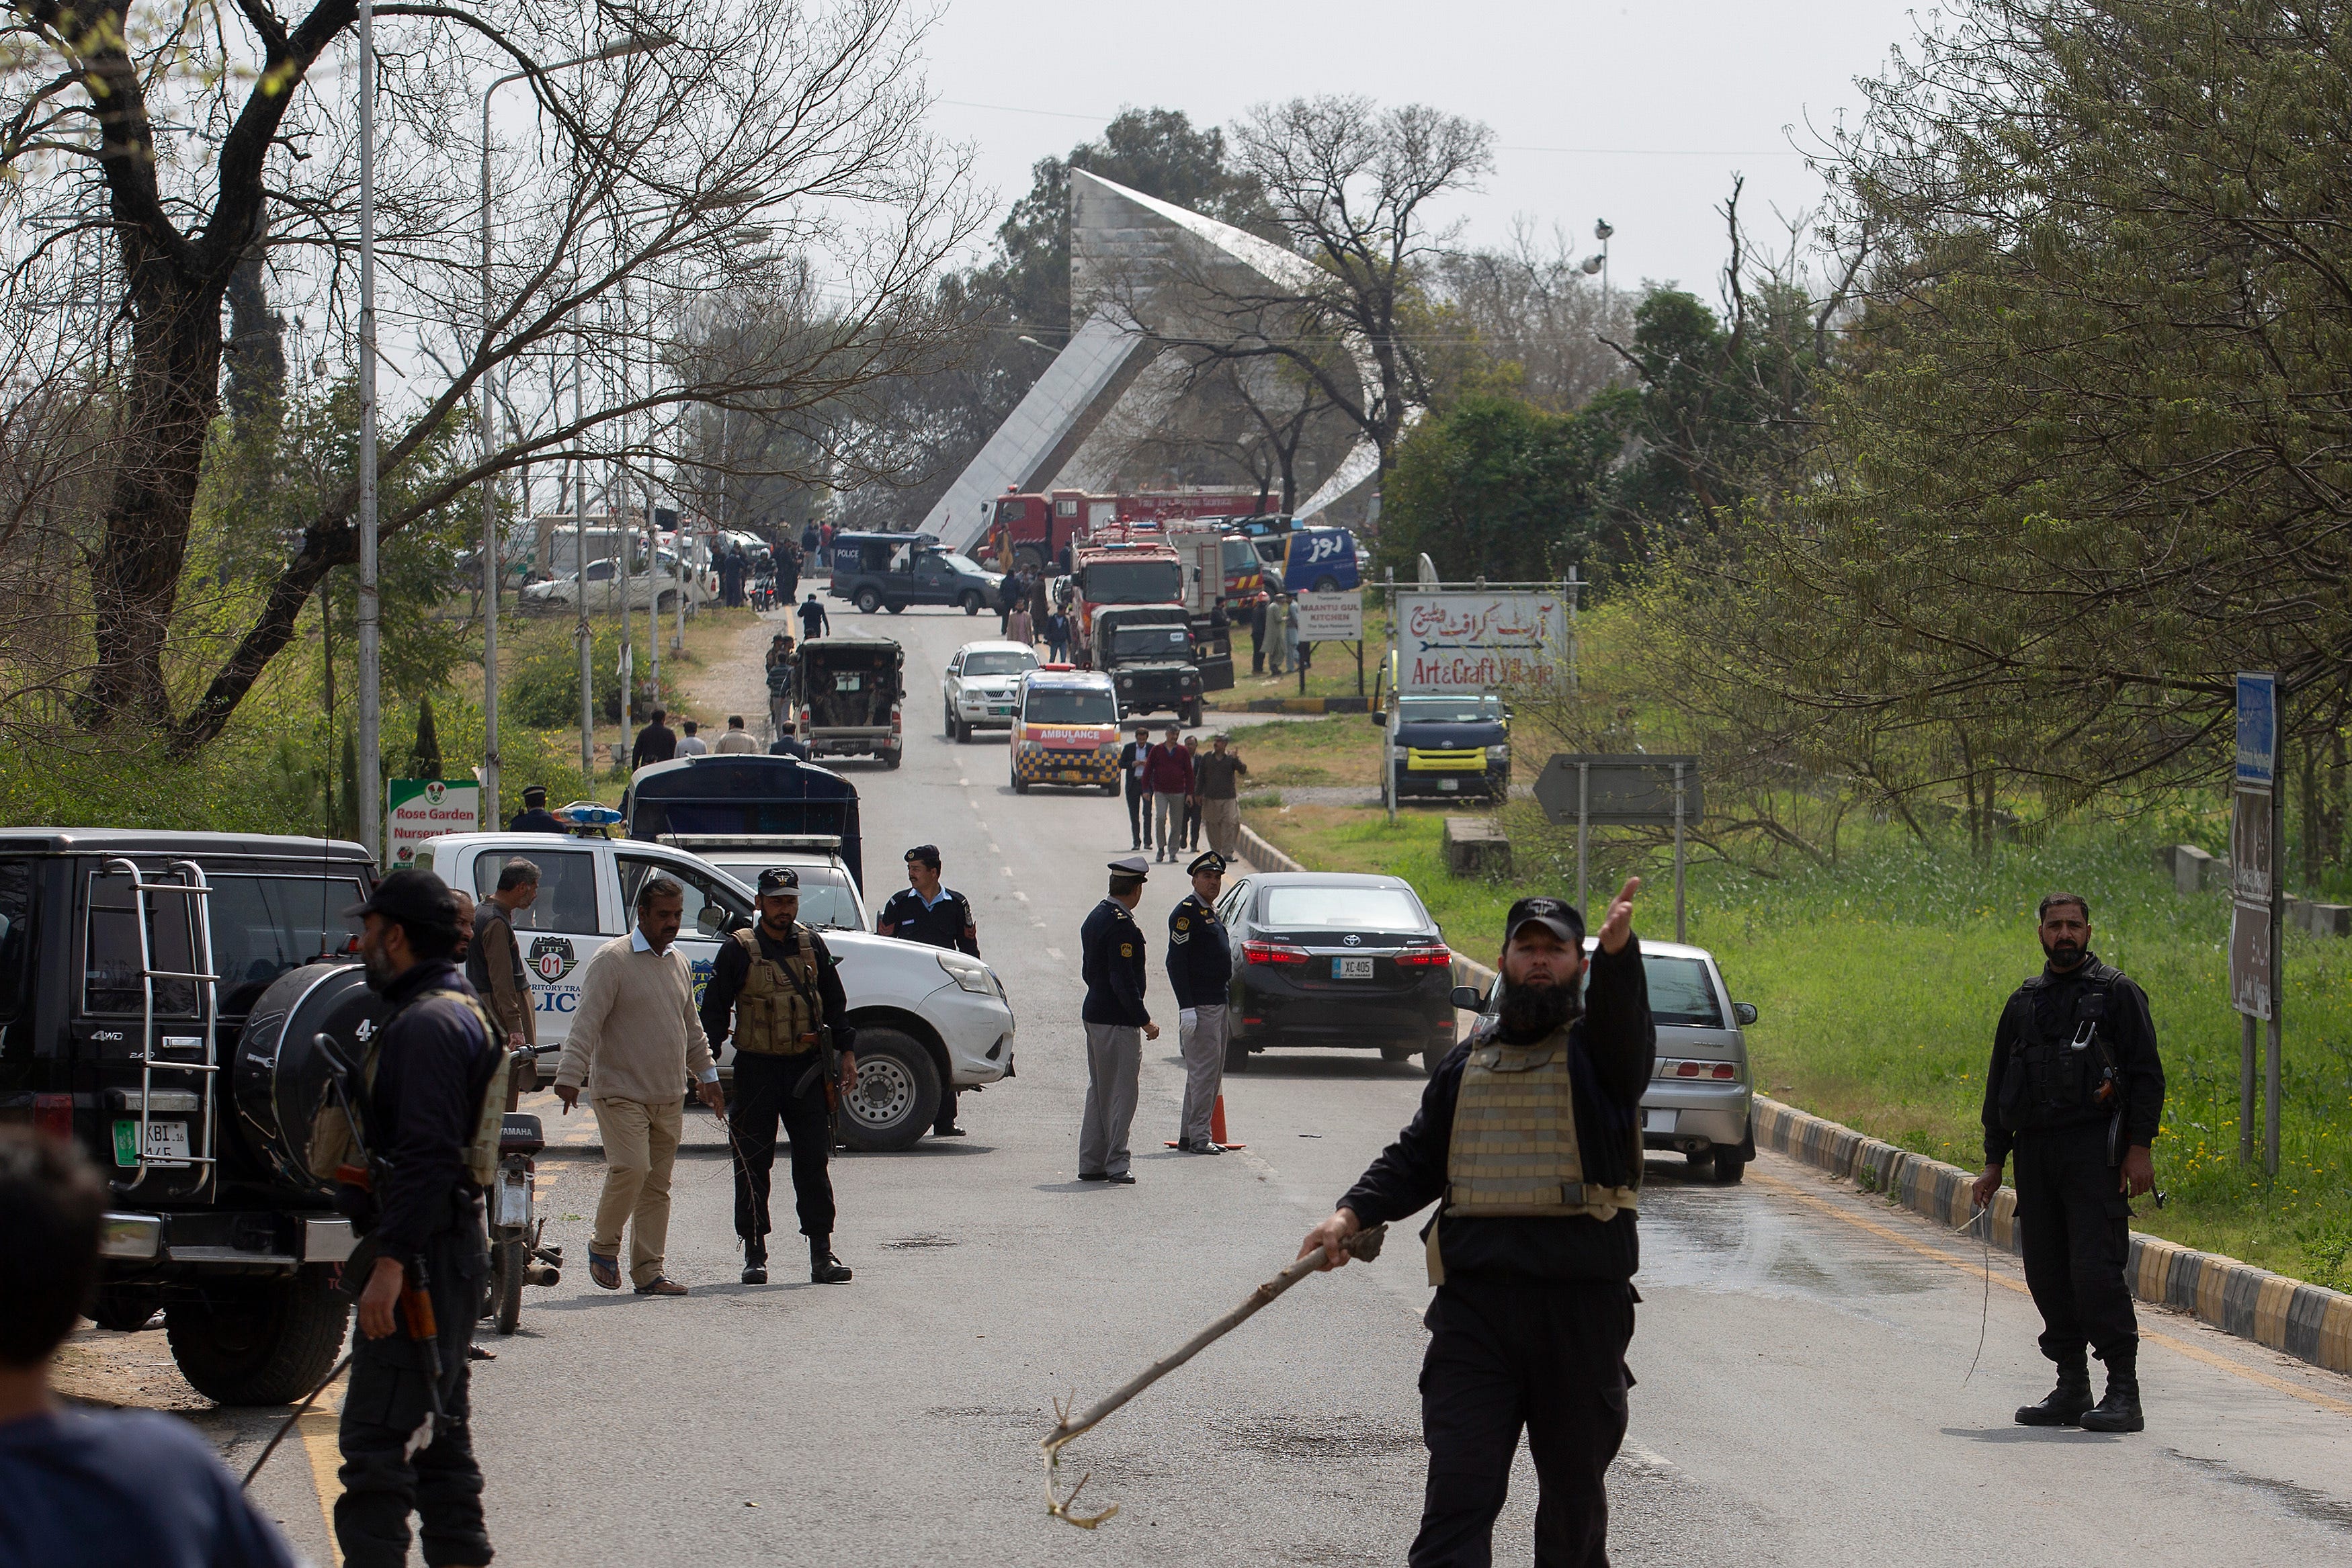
(1713, 1071)
(53, 1115)
(1272, 952)
(1425, 957)
(894, 718)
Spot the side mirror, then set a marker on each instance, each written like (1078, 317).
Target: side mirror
(1381, 718)
(712, 919)
(1470, 998)
(1744, 1012)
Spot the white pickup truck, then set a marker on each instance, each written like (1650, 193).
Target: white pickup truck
(925, 1016)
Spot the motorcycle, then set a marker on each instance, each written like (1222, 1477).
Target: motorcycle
(519, 1255)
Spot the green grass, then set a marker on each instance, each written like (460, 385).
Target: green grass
(1337, 749)
(1334, 671)
(1878, 982)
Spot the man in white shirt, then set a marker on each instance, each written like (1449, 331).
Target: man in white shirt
(690, 743)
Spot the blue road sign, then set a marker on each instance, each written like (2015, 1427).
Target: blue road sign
(2257, 730)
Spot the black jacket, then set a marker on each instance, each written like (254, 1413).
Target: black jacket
(1614, 1049)
(538, 819)
(1110, 961)
(947, 924)
(1200, 954)
(433, 1064)
(2127, 1032)
(732, 966)
(655, 743)
(1129, 755)
(814, 621)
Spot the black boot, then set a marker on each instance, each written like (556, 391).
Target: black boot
(2066, 1402)
(755, 1259)
(824, 1268)
(2119, 1411)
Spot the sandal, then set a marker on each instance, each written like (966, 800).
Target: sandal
(606, 1272)
(661, 1285)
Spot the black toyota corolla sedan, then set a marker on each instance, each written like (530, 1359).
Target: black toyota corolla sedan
(1331, 958)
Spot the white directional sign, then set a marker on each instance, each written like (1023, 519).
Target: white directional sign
(1334, 617)
(1474, 640)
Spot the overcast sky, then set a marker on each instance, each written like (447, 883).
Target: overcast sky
(1653, 105)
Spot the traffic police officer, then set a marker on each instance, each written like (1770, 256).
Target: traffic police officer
(1111, 959)
(437, 1068)
(1199, 970)
(923, 911)
(781, 986)
(1529, 1135)
(2076, 1089)
(534, 817)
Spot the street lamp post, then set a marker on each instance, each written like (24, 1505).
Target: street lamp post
(1600, 263)
(636, 43)
(370, 784)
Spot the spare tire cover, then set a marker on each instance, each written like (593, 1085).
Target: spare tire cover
(279, 1077)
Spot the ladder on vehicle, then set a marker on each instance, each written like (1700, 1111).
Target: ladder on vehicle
(190, 885)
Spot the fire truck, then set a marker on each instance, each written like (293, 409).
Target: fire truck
(1120, 564)
(1036, 530)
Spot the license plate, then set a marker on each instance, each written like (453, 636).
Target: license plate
(1449, 784)
(1000, 712)
(1071, 775)
(513, 1199)
(1659, 1121)
(1351, 969)
(166, 1140)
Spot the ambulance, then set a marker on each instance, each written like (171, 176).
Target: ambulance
(1067, 731)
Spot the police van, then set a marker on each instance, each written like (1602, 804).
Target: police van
(1067, 731)
(926, 1017)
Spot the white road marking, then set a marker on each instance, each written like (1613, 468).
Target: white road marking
(1055, 954)
(1017, 891)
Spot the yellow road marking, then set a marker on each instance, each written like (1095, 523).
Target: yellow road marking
(1973, 1267)
(318, 1428)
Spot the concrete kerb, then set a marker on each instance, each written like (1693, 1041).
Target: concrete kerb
(1293, 704)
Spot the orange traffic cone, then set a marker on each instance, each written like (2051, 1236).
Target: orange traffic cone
(1217, 1128)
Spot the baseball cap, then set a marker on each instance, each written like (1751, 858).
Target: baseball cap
(1556, 916)
(779, 879)
(411, 897)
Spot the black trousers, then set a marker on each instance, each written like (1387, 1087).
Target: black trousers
(2076, 1238)
(388, 1404)
(764, 1098)
(1191, 822)
(1258, 655)
(1505, 1355)
(946, 1120)
(1139, 815)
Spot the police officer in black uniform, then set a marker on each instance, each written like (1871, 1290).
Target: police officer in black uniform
(780, 986)
(2076, 1089)
(534, 817)
(437, 1061)
(1116, 1022)
(1200, 971)
(1533, 1250)
(923, 911)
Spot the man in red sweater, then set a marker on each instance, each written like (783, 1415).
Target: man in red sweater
(1168, 774)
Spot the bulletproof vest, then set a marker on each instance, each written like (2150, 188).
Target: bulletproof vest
(334, 1142)
(1514, 1150)
(775, 1017)
(2062, 1069)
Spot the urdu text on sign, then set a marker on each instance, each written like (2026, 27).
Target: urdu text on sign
(1478, 641)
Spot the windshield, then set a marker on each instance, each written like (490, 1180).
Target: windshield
(1449, 710)
(1005, 664)
(1681, 992)
(1069, 705)
(1239, 556)
(1134, 583)
(961, 563)
(1344, 909)
(826, 899)
(1150, 643)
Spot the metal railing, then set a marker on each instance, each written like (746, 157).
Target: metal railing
(191, 885)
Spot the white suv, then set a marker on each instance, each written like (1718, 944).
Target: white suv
(925, 1016)
(983, 687)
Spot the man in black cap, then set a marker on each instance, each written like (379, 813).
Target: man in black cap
(534, 817)
(1200, 971)
(1111, 959)
(406, 1445)
(781, 985)
(924, 911)
(1530, 1138)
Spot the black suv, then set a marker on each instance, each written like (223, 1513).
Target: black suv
(1147, 650)
(160, 996)
(891, 572)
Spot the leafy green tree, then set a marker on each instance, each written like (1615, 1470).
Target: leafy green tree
(1494, 486)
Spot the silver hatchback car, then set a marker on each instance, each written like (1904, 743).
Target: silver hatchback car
(1701, 1093)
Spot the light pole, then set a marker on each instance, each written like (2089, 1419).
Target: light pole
(370, 784)
(635, 44)
(1600, 263)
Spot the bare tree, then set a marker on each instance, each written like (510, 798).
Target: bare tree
(1530, 304)
(723, 147)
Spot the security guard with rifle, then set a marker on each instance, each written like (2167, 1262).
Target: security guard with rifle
(779, 987)
(427, 1132)
(2076, 1089)
(1529, 1140)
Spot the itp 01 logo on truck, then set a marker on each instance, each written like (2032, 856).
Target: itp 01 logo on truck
(552, 957)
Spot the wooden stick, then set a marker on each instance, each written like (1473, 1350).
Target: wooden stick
(1364, 1244)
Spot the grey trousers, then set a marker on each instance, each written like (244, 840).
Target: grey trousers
(1204, 1072)
(1167, 810)
(1114, 1064)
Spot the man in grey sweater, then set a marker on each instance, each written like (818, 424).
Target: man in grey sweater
(634, 1038)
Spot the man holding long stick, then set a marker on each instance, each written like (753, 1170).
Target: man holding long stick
(1529, 1139)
